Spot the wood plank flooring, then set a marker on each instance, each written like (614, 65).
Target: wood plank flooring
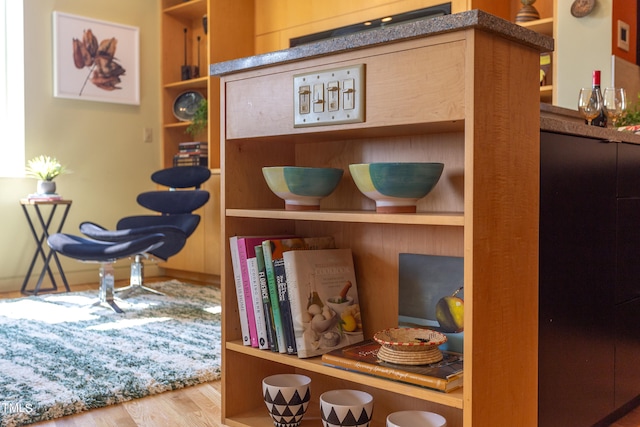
(195, 406)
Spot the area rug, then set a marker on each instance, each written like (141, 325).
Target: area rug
(60, 354)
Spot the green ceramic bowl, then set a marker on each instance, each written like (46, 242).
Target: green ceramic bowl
(396, 187)
(302, 187)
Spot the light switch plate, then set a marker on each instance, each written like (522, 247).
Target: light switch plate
(337, 96)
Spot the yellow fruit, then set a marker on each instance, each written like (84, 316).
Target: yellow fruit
(349, 323)
(450, 313)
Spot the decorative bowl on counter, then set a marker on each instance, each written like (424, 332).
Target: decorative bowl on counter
(396, 187)
(302, 187)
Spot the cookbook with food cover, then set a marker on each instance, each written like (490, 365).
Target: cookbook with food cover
(323, 296)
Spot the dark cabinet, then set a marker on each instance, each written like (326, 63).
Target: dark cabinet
(577, 275)
(627, 368)
(589, 334)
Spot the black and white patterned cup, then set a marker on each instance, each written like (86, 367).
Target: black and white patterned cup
(346, 408)
(287, 397)
(415, 418)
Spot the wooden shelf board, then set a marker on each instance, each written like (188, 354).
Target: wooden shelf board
(259, 418)
(176, 125)
(453, 219)
(332, 133)
(187, 10)
(199, 83)
(546, 93)
(453, 399)
(542, 26)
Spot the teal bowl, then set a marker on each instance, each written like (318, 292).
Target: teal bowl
(302, 187)
(396, 187)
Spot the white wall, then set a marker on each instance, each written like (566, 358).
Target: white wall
(582, 45)
(101, 142)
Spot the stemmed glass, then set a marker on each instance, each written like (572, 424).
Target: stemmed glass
(615, 101)
(590, 103)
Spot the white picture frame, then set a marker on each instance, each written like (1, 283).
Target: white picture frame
(623, 35)
(81, 72)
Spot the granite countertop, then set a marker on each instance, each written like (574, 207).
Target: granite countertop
(396, 33)
(552, 118)
(570, 122)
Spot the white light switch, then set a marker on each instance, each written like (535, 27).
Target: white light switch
(349, 93)
(329, 97)
(318, 98)
(333, 96)
(304, 93)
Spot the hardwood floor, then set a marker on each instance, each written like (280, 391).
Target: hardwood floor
(195, 406)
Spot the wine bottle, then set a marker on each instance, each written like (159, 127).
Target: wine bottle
(601, 119)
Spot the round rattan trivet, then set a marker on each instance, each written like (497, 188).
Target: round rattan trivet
(410, 339)
(429, 355)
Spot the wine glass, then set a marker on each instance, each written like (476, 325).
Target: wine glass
(590, 103)
(615, 101)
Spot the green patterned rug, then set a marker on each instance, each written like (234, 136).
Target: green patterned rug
(60, 355)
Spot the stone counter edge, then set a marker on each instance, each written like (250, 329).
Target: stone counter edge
(397, 33)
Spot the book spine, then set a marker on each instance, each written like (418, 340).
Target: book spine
(285, 308)
(237, 275)
(384, 372)
(273, 296)
(256, 296)
(295, 306)
(266, 301)
(246, 286)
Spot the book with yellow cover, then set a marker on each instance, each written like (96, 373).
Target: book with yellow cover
(362, 357)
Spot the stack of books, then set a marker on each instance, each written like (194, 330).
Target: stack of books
(445, 375)
(37, 197)
(191, 154)
(288, 289)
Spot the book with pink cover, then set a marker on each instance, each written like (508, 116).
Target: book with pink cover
(237, 276)
(257, 326)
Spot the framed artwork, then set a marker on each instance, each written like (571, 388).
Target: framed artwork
(95, 60)
(623, 35)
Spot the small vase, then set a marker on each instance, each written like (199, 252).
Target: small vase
(46, 187)
(528, 12)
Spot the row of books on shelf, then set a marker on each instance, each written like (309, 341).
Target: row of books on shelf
(296, 295)
(193, 153)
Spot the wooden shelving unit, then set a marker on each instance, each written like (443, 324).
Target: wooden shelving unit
(427, 99)
(229, 35)
(545, 26)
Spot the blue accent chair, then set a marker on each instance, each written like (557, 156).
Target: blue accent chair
(172, 224)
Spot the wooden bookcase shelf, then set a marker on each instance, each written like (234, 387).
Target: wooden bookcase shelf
(545, 26)
(225, 20)
(440, 218)
(427, 99)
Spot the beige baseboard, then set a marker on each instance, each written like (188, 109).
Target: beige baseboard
(77, 277)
